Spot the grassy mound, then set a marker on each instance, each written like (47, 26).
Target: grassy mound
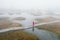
(44, 20)
(19, 18)
(17, 35)
(8, 24)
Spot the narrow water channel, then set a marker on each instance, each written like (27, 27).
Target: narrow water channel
(43, 34)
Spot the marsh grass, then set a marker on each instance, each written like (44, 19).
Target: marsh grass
(17, 35)
(54, 27)
(19, 18)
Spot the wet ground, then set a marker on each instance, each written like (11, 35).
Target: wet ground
(42, 34)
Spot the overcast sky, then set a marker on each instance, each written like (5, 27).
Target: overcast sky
(27, 4)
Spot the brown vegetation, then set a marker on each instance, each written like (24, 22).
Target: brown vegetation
(19, 18)
(54, 27)
(7, 24)
(17, 35)
(47, 19)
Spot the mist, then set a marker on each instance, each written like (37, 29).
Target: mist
(36, 7)
(27, 4)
